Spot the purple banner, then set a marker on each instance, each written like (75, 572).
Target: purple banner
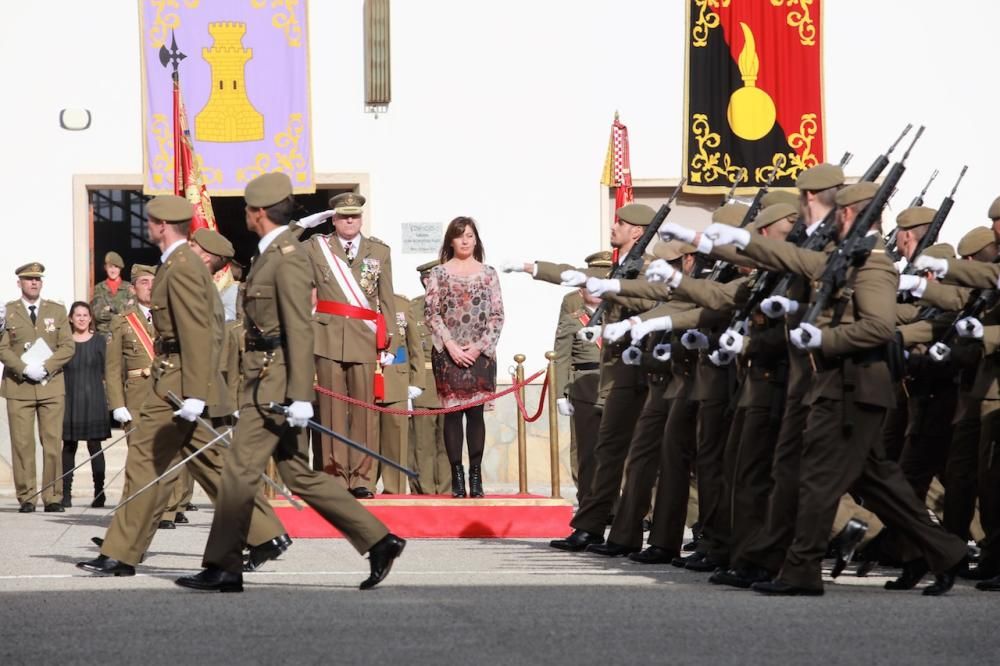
(245, 84)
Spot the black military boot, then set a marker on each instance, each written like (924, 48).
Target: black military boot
(476, 481)
(457, 480)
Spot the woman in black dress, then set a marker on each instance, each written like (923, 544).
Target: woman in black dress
(86, 415)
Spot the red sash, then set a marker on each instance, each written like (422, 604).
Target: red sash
(140, 332)
(381, 334)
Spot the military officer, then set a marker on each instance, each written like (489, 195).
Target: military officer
(352, 274)
(113, 295)
(279, 367)
(35, 390)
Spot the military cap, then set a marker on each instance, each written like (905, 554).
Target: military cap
(779, 196)
(940, 251)
(820, 177)
(32, 270)
(425, 268)
(772, 214)
(347, 203)
(138, 270)
(600, 259)
(857, 192)
(915, 216)
(268, 189)
(214, 242)
(975, 240)
(638, 214)
(994, 212)
(114, 259)
(731, 214)
(672, 250)
(170, 208)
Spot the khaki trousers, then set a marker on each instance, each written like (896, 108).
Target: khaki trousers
(259, 437)
(353, 468)
(675, 486)
(393, 433)
(585, 424)
(21, 416)
(430, 460)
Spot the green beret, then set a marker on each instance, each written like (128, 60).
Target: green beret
(940, 251)
(170, 208)
(347, 203)
(975, 240)
(114, 259)
(731, 214)
(994, 213)
(425, 268)
(32, 270)
(638, 214)
(268, 189)
(772, 214)
(820, 177)
(856, 193)
(138, 270)
(915, 216)
(600, 259)
(214, 243)
(779, 196)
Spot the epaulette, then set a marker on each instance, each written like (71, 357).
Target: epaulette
(402, 298)
(54, 301)
(377, 240)
(287, 248)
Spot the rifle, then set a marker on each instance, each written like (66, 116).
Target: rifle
(701, 260)
(631, 265)
(857, 244)
(934, 229)
(882, 161)
(890, 238)
(979, 301)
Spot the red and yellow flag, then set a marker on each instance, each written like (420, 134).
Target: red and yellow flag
(617, 167)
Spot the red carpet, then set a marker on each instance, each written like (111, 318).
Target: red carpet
(442, 517)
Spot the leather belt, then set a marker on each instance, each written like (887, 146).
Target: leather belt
(167, 346)
(138, 372)
(587, 366)
(263, 343)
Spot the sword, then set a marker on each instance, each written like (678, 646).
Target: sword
(65, 474)
(320, 428)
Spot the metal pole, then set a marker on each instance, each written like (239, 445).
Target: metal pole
(272, 471)
(522, 435)
(550, 378)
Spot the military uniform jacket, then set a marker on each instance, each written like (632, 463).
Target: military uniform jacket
(408, 368)
(276, 303)
(429, 398)
(342, 338)
(126, 354)
(866, 325)
(187, 311)
(981, 275)
(52, 325)
(575, 383)
(105, 305)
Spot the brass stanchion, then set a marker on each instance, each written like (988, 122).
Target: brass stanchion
(272, 471)
(522, 435)
(550, 377)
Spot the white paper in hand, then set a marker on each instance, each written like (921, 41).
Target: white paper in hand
(38, 353)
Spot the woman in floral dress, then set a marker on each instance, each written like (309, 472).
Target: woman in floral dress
(464, 311)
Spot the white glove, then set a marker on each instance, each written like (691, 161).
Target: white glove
(589, 333)
(315, 220)
(731, 341)
(742, 326)
(236, 414)
(912, 283)
(190, 409)
(661, 271)
(806, 336)
(35, 372)
(723, 234)
(778, 306)
(661, 352)
(121, 414)
(644, 328)
(413, 392)
(721, 357)
(3, 315)
(386, 358)
(512, 267)
(299, 413)
(615, 331)
(969, 327)
(599, 287)
(632, 356)
(940, 352)
(694, 339)
(937, 266)
(573, 278)
(565, 407)
(671, 230)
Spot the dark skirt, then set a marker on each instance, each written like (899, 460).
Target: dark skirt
(86, 413)
(459, 386)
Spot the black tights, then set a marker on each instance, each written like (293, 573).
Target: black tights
(96, 465)
(475, 434)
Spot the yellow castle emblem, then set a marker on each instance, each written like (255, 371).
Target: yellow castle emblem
(228, 115)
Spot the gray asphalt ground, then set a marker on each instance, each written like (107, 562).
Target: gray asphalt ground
(447, 602)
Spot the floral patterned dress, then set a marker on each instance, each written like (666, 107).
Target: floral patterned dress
(469, 310)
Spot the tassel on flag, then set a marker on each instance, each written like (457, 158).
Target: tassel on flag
(617, 166)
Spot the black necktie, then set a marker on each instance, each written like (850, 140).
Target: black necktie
(347, 251)
(33, 316)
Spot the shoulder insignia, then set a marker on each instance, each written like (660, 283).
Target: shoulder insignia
(377, 240)
(287, 249)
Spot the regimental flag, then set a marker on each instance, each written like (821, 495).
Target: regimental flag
(617, 166)
(754, 93)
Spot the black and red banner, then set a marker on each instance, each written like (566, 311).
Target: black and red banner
(754, 93)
